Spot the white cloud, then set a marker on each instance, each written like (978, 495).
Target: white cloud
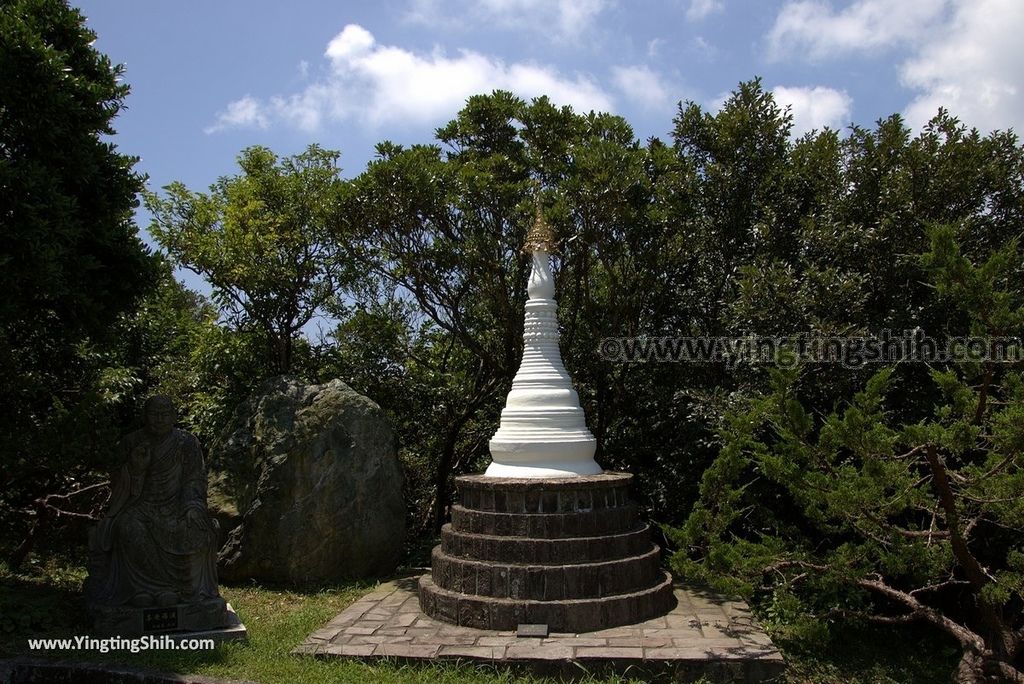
(353, 41)
(964, 55)
(375, 84)
(815, 108)
(244, 113)
(972, 67)
(700, 9)
(813, 29)
(703, 48)
(642, 85)
(715, 104)
(559, 19)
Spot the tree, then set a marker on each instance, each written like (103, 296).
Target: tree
(861, 517)
(261, 240)
(71, 262)
(443, 227)
(803, 501)
(445, 230)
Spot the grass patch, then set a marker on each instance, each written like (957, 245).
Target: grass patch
(277, 620)
(868, 654)
(45, 600)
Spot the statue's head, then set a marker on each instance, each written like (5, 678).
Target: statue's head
(160, 414)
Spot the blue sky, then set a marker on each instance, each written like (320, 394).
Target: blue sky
(209, 79)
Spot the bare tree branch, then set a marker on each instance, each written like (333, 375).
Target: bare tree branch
(966, 637)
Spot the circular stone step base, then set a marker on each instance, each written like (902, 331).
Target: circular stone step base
(568, 615)
(592, 523)
(547, 582)
(543, 495)
(511, 549)
(565, 552)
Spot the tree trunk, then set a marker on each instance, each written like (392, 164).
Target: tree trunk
(975, 668)
(284, 353)
(447, 458)
(18, 556)
(969, 669)
(444, 466)
(281, 352)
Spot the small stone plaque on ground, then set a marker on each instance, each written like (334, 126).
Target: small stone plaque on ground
(538, 631)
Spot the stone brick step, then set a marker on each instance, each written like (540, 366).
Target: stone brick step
(485, 547)
(543, 495)
(571, 615)
(600, 521)
(546, 582)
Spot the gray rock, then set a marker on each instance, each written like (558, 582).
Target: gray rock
(314, 472)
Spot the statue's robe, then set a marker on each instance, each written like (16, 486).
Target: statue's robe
(148, 544)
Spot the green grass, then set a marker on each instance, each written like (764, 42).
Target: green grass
(869, 655)
(44, 600)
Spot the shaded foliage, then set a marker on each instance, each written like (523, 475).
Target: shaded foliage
(857, 514)
(70, 261)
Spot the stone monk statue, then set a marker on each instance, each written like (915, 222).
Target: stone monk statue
(157, 544)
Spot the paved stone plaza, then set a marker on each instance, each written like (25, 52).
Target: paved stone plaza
(704, 635)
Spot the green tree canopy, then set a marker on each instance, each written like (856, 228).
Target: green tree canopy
(262, 240)
(443, 227)
(850, 492)
(71, 262)
(858, 516)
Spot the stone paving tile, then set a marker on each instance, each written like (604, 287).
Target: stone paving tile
(757, 640)
(676, 653)
(576, 641)
(641, 642)
(679, 621)
(403, 619)
(350, 649)
(474, 652)
(326, 633)
(703, 630)
(380, 639)
(538, 652)
(609, 653)
(392, 631)
(406, 650)
(495, 640)
(449, 640)
(421, 631)
(617, 632)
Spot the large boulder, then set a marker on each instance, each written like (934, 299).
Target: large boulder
(313, 471)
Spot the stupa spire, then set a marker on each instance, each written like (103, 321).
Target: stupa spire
(543, 432)
(540, 238)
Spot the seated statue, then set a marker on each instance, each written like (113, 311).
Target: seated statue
(156, 546)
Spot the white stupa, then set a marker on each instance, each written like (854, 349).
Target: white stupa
(543, 432)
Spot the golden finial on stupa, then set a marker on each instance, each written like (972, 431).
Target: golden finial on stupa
(540, 237)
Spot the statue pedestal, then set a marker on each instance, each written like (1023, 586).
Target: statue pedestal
(567, 552)
(129, 621)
